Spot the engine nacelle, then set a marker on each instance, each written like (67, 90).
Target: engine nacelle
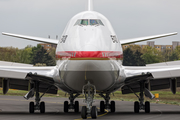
(173, 85)
(5, 86)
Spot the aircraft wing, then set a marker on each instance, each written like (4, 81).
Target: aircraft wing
(158, 76)
(20, 77)
(21, 72)
(38, 39)
(129, 41)
(156, 71)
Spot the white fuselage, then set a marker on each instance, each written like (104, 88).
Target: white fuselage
(89, 50)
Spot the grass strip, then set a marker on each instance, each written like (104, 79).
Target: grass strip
(165, 97)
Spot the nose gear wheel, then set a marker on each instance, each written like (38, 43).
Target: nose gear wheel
(89, 91)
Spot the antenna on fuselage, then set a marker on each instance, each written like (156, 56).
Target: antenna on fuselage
(90, 5)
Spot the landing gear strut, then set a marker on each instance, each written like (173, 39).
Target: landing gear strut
(107, 105)
(38, 105)
(89, 91)
(140, 105)
(72, 105)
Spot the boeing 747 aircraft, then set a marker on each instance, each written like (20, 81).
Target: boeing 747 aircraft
(89, 61)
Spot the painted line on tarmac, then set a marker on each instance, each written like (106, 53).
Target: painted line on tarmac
(97, 116)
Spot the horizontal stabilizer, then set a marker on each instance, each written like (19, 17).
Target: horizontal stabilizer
(38, 39)
(129, 41)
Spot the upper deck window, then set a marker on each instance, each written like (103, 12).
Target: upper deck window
(89, 22)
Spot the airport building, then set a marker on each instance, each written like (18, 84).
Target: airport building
(149, 43)
(158, 47)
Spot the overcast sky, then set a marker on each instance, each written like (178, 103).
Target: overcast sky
(130, 18)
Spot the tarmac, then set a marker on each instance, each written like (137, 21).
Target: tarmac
(17, 108)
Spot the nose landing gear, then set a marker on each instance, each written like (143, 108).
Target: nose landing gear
(89, 91)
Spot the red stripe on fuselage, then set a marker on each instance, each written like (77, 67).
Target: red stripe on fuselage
(89, 54)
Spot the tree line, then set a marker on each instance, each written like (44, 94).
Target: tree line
(134, 55)
(29, 55)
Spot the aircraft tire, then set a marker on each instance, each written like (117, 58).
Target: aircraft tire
(76, 106)
(42, 107)
(113, 107)
(84, 112)
(94, 112)
(31, 107)
(102, 106)
(136, 107)
(66, 106)
(147, 107)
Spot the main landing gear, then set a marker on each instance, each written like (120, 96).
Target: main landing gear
(140, 105)
(107, 105)
(72, 105)
(37, 105)
(89, 91)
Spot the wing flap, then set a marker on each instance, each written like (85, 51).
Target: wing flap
(38, 39)
(25, 85)
(12, 74)
(15, 72)
(152, 85)
(20, 77)
(44, 79)
(158, 72)
(162, 74)
(130, 41)
(137, 78)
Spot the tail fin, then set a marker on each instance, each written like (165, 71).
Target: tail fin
(90, 5)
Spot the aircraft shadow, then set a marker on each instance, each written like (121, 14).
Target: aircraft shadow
(72, 113)
(142, 113)
(47, 113)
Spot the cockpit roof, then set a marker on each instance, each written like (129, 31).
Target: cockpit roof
(89, 15)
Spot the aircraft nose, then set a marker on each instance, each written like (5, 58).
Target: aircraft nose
(88, 51)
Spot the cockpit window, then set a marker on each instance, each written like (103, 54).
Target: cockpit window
(92, 22)
(78, 22)
(100, 22)
(84, 22)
